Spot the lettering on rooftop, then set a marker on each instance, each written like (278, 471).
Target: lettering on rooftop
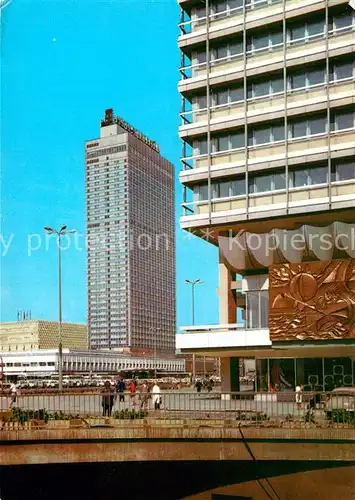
(110, 119)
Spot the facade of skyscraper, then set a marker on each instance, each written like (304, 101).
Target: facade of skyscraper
(268, 169)
(131, 243)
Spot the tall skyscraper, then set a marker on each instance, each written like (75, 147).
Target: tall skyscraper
(131, 244)
(268, 169)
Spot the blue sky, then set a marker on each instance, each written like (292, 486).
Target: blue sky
(63, 63)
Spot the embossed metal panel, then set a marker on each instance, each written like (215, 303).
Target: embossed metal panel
(312, 300)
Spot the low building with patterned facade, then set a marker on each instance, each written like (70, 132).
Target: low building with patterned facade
(33, 335)
(80, 362)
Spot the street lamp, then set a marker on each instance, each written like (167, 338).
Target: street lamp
(63, 231)
(193, 284)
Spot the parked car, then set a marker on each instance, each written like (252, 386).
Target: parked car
(341, 398)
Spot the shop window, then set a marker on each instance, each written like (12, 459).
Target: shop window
(309, 373)
(257, 308)
(282, 374)
(262, 375)
(337, 373)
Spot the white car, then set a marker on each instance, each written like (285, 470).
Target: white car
(342, 398)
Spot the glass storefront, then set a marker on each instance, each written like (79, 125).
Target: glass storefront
(313, 374)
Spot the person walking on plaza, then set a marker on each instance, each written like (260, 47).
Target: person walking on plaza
(132, 392)
(156, 392)
(198, 386)
(120, 388)
(108, 398)
(144, 395)
(209, 385)
(299, 397)
(13, 394)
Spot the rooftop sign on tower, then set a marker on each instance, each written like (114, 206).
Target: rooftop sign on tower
(110, 119)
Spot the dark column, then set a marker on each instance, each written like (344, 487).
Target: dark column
(234, 375)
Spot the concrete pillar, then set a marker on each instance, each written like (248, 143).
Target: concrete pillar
(227, 304)
(229, 377)
(225, 377)
(227, 315)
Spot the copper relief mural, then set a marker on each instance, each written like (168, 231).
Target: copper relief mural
(312, 300)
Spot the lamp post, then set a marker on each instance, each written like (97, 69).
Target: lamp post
(193, 283)
(63, 231)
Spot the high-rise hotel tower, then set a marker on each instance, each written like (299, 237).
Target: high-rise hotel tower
(131, 244)
(268, 169)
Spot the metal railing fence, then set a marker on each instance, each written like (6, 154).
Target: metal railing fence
(282, 409)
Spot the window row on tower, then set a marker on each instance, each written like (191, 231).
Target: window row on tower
(268, 39)
(302, 176)
(305, 126)
(270, 84)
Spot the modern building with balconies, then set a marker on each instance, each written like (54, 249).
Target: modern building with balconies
(268, 174)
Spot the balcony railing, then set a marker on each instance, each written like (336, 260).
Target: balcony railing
(236, 108)
(192, 25)
(200, 69)
(267, 201)
(238, 154)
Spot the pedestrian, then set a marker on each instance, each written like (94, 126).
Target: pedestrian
(210, 385)
(198, 386)
(108, 398)
(144, 395)
(120, 388)
(299, 397)
(132, 393)
(13, 394)
(156, 392)
(312, 402)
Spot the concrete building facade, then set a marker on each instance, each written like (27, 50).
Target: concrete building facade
(32, 335)
(46, 361)
(268, 169)
(131, 243)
